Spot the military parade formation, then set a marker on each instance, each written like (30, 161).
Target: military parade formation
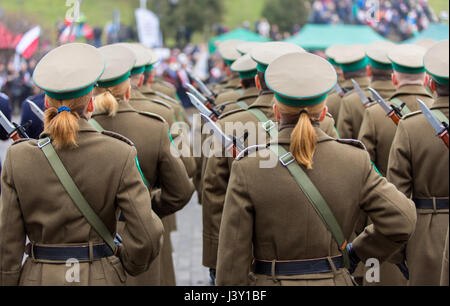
(330, 163)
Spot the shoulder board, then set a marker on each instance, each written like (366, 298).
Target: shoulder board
(21, 140)
(348, 93)
(162, 103)
(329, 115)
(167, 84)
(411, 115)
(119, 137)
(250, 150)
(2, 95)
(228, 102)
(352, 142)
(230, 113)
(152, 115)
(164, 96)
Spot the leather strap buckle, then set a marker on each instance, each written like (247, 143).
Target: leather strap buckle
(43, 143)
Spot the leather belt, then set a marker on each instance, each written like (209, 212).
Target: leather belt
(303, 267)
(81, 253)
(441, 204)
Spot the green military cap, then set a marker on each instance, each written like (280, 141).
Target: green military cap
(155, 59)
(377, 54)
(247, 47)
(266, 53)
(228, 51)
(407, 58)
(142, 54)
(427, 43)
(301, 79)
(352, 58)
(436, 62)
(245, 66)
(119, 62)
(332, 52)
(70, 71)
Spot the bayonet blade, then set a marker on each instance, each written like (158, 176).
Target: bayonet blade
(199, 105)
(201, 85)
(217, 132)
(339, 90)
(386, 107)
(196, 93)
(437, 125)
(361, 94)
(6, 124)
(36, 110)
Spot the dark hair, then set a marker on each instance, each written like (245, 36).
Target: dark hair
(147, 75)
(441, 90)
(262, 80)
(381, 74)
(355, 74)
(248, 83)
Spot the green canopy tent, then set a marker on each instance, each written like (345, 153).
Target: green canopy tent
(436, 32)
(320, 37)
(239, 34)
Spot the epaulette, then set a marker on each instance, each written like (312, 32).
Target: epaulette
(152, 115)
(21, 140)
(230, 113)
(411, 115)
(164, 96)
(162, 103)
(2, 95)
(167, 84)
(250, 150)
(330, 115)
(353, 142)
(119, 137)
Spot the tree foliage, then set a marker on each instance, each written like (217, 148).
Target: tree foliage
(286, 13)
(180, 18)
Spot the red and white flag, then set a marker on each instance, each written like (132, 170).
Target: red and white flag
(29, 43)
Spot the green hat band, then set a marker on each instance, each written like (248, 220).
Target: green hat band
(229, 62)
(112, 83)
(300, 103)
(378, 65)
(261, 67)
(149, 67)
(355, 66)
(248, 74)
(333, 62)
(405, 69)
(70, 95)
(138, 70)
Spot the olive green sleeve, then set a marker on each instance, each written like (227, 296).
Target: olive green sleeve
(367, 135)
(143, 230)
(236, 233)
(345, 121)
(12, 228)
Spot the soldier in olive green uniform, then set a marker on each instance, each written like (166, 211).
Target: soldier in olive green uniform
(218, 169)
(378, 130)
(150, 134)
(246, 68)
(335, 97)
(270, 228)
(418, 166)
(53, 214)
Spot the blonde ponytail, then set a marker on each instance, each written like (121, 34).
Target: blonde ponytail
(106, 98)
(304, 137)
(63, 126)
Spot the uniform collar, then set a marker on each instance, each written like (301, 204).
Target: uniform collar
(84, 127)
(234, 83)
(146, 89)
(363, 82)
(249, 93)
(441, 102)
(382, 85)
(264, 100)
(347, 84)
(284, 135)
(124, 107)
(136, 94)
(409, 90)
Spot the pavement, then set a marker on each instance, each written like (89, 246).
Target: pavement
(186, 241)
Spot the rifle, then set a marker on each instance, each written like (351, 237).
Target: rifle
(36, 110)
(202, 86)
(441, 128)
(392, 111)
(13, 130)
(202, 100)
(365, 100)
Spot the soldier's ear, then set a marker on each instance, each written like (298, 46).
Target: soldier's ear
(258, 83)
(276, 112)
(128, 93)
(90, 107)
(141, 80)
(324, 113)
(427, 80)
(369, 71)
(432, 85)
(394, 79)
(46, 102)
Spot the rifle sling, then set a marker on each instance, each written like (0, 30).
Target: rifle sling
(77, 198)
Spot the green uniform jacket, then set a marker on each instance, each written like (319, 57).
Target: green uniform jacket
(217, 175)
(352, 111)
(334, 99)
(230, 92)
(378, 131)
(419, 167)
(248, 97)
(267, 216)
(35, 204)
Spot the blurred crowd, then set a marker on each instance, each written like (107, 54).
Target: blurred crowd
(400, 18)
